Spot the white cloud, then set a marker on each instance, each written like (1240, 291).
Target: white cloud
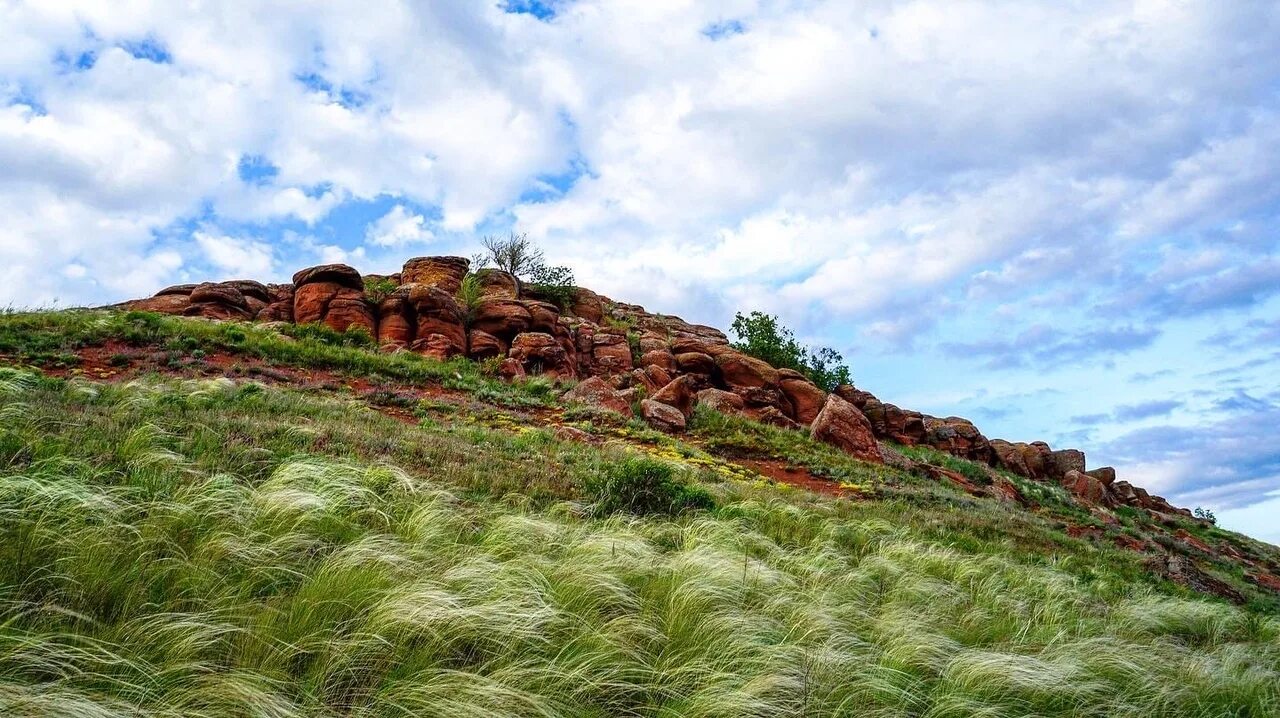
(244, 258)
(398, 228)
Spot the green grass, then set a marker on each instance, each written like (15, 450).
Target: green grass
(214, 548)
(50, 339)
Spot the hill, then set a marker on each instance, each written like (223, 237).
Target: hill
(437, 493)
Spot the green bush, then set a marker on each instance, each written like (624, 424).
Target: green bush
(470, 293)
(378, 288)
(761, 336)
(641, 485)
(353, 337)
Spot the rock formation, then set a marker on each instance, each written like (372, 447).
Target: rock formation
(625, 357)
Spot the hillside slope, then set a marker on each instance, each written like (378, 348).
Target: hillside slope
(232, 518)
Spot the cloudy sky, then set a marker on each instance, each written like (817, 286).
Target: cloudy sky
(1061, 220)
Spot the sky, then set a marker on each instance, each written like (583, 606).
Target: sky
(1059, 219)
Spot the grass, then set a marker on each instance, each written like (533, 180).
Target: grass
(213, 548)
(51, 340)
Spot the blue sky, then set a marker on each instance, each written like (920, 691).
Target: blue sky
(1061, 220)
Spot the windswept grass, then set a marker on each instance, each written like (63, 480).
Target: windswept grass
(219, 549)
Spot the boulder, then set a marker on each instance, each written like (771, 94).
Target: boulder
(773, 416)
(659, 358)
(1036, 455)
(351, 311)
(1124, 493)
(611, 353)
(1010, 457)
(497, 284)
(679, 393)
(650, 342)
(887, 420)
(843, 426)
(540, 353)
(211, 293)
(805, 398)
(1086, 488)
(439, 332)
(164, 304)
(587, 304)
(695, 363)
(958, 437)
(543, 317)
(684, 344)
(397, 323)
(339, 274)
(443, 272)
(276, 312)
(662, 417)
(658, 376)
(252, 289)
(511, 369)
(311, 300)
(483, 345)
(1105, 474)
(1065, 460)
(176, 290)
(725, 402)
(436, 345)
(739, 370)
(596, 392)
(503, 318)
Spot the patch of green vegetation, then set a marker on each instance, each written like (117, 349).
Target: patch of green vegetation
(761, 335)
(971, 470)
(378, 288)
(640, 485)
(50, 339)
(213, 548)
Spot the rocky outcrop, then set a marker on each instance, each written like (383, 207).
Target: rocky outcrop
(628, 355)
(844, 427)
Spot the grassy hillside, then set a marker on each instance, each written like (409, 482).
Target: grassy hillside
(203, 519)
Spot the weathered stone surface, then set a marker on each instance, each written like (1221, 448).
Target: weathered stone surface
(1105, 474)
(540, 353)
(679, 393)
(1064, 460)
(573, 433)
(587, 304)
(1085, 487)
(887, 420)
(443, 272)
(612, 353)
(760, 396)
(695, 344)
(658, 376)
(1036, 454)
(543, 316)
(805, 398)
(773, 416)
(436, 345)
(958, 437)
(277, 312)
(1010, 457)
(739, 370)
(339, 274)
(497, 284)
(397, 322)
(725, 402)
(843, 426)
(659, 358)
(483, 345)
(311, 300)
(596, 392)
(351, 311)
(511, 369)
(211, 293)
(695, 363)
(177, 289)
(662, 417)
(164, 304)
(503, 318)
(251, 289)
(1124, 493)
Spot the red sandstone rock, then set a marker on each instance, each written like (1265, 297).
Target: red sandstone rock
(497, 284)
(503, 318)
(339, 274)
(805, 398)
(443, 272)
(662, 417)
(1085, 487)
(595, 392)
(739, 370)
(678, 393)
(483, 345)
(725, 402)
(843, 426)
(540, 353)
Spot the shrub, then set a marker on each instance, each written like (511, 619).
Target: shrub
(353, 337)
(761, 336)
(469, 295)
(1205, 514)
(377, 288)
(641, 485)
(519, 256)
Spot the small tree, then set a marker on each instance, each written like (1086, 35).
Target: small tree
(1206, 515)
(761, 336)
(519, 256)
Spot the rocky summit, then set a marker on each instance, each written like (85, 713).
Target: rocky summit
(622, 355)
